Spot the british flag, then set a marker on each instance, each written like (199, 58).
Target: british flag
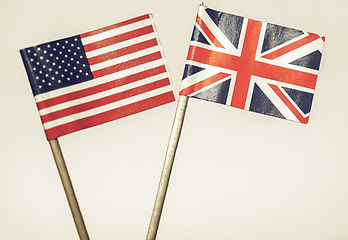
(252, 65)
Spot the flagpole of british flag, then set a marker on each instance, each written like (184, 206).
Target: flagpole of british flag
(247, 64)
(167, 167)
(93, 78)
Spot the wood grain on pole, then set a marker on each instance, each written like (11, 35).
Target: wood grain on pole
(68, 188)
(167, 167)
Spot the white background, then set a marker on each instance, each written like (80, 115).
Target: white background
(236, 175)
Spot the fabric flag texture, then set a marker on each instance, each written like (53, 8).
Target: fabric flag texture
(252, 65)
(93, 78)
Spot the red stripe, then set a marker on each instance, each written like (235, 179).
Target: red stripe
(246, 63)
(100, 88)
(105, 100)
(117, 25)
(202, 84)
(288, 48)
(118, 38)
(109, 115)
(210, 35)
(260, 69)
(289, 104)
(122, 51)
(126, 65)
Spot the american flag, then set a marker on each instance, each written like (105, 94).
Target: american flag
(99, 76)
(252, 65)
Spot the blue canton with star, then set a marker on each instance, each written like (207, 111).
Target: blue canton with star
(56, 64)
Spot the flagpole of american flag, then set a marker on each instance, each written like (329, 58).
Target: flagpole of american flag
(68, 188)
(167, 167)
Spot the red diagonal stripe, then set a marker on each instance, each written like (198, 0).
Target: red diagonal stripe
(117, 25)
(289, 104)
(118, 38)
(206, 30)
(122, 51)
(292, 46)
(100, 88)
(108, 116)
(126, 65)
(202, 84)
(104, 101)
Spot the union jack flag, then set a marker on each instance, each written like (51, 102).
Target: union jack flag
(252, 65)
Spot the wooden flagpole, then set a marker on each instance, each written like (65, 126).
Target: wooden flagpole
(68, 188)
(167, 167)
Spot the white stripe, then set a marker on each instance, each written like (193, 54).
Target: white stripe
(98, 81)
(209, 86)
(219, 35)
(102, 94)
(206, 66)
(273, 97)
(197, 77)
(115, 31)
(120, 45)
(107, 107)
(124, 58)
(300, 52)
(231, 89)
